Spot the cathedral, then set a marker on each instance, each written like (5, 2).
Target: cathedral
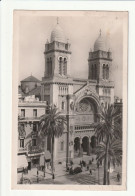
(78, 99)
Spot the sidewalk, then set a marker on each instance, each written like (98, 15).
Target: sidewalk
(60, 170)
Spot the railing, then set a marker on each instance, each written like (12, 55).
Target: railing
(29, 119)
(79, 127)
(21, 149)
(35, 149)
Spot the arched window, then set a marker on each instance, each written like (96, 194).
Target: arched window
(47, 66)
(60, 65)
(50, 67)
(62, 145)
(95, 71)
(92, 72)
(104, 71)
(65, 67)
(107, 72)
(63, 105)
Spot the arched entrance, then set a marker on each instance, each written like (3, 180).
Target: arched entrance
(77, 146)
(86, 146)
(93, 144)
(86, 110)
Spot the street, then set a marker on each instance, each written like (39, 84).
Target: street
(63, 177)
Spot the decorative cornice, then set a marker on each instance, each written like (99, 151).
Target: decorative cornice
(99, 58)
(106, 86)
(57, 50)
(60, 83)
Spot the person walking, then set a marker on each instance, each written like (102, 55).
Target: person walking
(90, 172)
(118, 176)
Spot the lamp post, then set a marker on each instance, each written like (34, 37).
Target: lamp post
(98, 171)
(22, 177)
(37, 175)
(44, 167)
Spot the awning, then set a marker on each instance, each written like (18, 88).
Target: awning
(42, 158)
(28, 159)
(47, 155)
(22, 161)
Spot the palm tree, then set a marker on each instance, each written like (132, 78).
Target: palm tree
(114, 154)
(107, 131)
(52, 125)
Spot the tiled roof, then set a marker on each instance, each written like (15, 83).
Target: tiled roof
(35, 91)
(30, 79)
(57, 34)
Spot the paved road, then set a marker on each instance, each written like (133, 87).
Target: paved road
(82, 178)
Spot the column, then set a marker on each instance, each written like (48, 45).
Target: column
(80, 150)
(88, 147)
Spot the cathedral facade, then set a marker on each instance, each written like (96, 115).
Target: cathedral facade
(77, 99)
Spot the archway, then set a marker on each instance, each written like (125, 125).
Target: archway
(93, 144)
(77, 147)
(86, 146)
(86, 109)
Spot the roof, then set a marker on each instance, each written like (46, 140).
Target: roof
(35, 91)
(57, 34)
(30, 79)
(100, 43)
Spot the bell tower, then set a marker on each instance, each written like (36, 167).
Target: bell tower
(57, 79)
(99, 66)
(57, 54)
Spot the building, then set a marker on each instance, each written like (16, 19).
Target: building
(30, 83)
(78, 99)
(30, 147)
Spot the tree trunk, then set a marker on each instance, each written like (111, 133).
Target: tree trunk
(108, 173)
(105, 173)
(53, 177)
(105, 181)
(44, 156)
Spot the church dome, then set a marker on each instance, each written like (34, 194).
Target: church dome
(100, 43)
(57, 34)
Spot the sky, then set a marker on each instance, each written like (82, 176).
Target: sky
(81, 29)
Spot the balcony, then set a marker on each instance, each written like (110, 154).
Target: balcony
(20, 150)
(34, 133)
(35, 150)
(30, 119)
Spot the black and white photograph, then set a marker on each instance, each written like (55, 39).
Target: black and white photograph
(69, 97)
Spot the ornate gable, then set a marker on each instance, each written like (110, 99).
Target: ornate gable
(87, 91)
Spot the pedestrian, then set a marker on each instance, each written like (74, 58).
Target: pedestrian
(81, 165)
(92, 159)
(37, 172)
(90, 162)
(118, 176)
(87, 167)
(90, 172)
(71, 162)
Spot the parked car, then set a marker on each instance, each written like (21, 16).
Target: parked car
(75, 170)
